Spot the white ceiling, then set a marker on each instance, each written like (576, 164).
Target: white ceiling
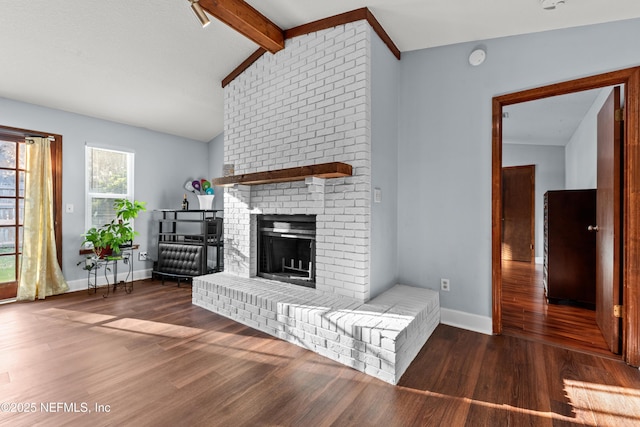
(150, 64)
(548, 121)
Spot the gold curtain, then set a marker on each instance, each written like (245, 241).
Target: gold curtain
(40, 274)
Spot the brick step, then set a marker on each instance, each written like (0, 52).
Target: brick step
(380, 337)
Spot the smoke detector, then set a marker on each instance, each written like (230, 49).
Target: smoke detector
(477, 57)
(551, 4)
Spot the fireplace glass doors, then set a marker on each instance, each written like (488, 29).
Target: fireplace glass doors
(287, 248)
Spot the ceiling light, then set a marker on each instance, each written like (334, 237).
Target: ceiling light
(551, 4)
(197, 9)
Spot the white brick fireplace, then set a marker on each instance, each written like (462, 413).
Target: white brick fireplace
(309, 103)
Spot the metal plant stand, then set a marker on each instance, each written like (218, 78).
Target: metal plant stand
(110, 264)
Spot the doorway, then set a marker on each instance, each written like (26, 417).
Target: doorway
(518, 216)
(12, 178)
(554, 299)
(630, 78)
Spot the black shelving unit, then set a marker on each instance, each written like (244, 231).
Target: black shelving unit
(201, 228)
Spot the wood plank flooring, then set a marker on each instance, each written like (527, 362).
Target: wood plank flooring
(526, 313)
(151, 358)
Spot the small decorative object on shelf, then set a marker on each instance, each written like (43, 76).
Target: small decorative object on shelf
(206, 201)
(203, 190)
(185, 203)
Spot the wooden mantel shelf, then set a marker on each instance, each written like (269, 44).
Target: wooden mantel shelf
(323, 170)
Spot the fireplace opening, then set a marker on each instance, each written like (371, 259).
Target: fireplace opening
(287, 248)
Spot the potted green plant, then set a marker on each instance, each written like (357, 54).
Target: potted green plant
(127, 209)
(118, 233)
(99, 239)
(121, 229)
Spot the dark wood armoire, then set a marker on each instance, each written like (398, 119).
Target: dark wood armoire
(569, 247)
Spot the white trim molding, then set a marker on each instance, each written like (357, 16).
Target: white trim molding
(471, 322)
(81, 284)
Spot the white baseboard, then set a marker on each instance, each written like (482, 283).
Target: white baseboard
(81, 284)
(471, 322)
(458, 319)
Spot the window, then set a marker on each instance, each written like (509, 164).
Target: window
(109, 177)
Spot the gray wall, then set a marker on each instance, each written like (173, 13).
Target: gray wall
(549, 162)
(216, 164)
(385, 69)
(162, 165)
(444, 178)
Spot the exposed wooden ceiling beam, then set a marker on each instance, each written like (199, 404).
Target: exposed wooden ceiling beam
(243, 18)
(321, 24)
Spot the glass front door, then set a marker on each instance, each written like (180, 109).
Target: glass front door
(12, 176)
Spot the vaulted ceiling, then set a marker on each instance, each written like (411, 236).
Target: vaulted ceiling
(150, 64)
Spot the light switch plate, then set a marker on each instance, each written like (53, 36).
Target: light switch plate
(377, 195)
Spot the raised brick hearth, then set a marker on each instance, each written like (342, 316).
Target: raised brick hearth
(379, 338)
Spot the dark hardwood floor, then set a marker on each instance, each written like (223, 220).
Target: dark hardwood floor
(526, 313)
(151, 358)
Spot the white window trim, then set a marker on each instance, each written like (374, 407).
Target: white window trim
(88, 195)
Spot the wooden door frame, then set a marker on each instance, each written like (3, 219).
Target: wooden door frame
(630, 78)
(56, 162)
(532, 225)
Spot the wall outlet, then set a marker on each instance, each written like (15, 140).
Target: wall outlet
(142, 256)
(444, 285)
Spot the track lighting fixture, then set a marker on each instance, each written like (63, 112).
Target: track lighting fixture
(197, 9)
